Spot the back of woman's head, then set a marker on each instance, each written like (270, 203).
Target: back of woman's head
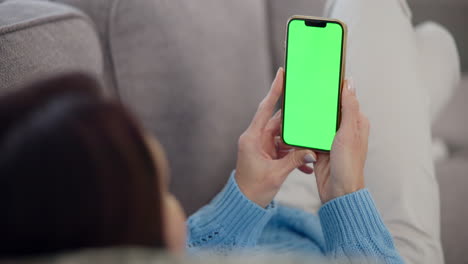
(75, 172)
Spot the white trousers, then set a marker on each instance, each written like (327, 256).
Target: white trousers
(403, 77)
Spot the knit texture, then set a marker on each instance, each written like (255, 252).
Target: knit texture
(346, 228)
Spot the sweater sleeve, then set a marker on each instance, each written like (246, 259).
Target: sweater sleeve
(230, 222)
(353, 228)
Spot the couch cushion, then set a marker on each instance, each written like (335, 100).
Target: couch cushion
(452, 123)
(100, 13)
(194, 72)
(279, 13)
(35, 42)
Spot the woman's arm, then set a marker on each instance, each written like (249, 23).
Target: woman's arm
(230, 222)
(351, 224)
(238, 215)
(353, 229)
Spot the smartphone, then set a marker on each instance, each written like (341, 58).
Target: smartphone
(314, 73)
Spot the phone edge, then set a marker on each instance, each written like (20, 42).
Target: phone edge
(342, 71)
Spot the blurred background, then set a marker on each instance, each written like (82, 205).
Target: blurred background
(450, 13)
(197, 87)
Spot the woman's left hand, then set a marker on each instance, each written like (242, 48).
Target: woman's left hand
(263, 161)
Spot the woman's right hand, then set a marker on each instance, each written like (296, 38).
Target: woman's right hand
(342, 170)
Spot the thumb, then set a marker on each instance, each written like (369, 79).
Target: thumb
(295, 159)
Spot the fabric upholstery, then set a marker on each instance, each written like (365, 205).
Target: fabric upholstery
(193, 72)
(100, 12)
(35, 41)
(279, 11)
(452, 123)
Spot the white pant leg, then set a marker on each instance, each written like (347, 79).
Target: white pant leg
(299, 190)
(384, 59)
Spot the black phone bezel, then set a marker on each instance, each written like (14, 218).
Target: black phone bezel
(338, 117)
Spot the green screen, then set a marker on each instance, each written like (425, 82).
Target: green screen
(313, 65)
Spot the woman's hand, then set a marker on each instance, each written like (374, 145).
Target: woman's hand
(263, 163)
(342, 171)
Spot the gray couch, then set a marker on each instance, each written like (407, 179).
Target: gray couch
(193, 72)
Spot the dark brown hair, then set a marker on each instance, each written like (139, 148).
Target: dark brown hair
(75, 172)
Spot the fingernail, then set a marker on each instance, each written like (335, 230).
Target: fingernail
(309, 158)
(350, 85)
(280, 70)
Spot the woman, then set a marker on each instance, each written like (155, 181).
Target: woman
(76, 172)
(79, 172)
(244, 215)
(115, 189)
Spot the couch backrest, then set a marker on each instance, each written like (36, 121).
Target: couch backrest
(40, 39)
(194, 73)
(279, 13)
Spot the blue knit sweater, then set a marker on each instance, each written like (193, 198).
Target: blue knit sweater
(347, 227)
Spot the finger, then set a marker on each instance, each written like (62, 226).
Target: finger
(295, 159)
(282, 154)
(283, 146)
(274, 124)
(282, 149)
(364, 124)
(349, 106)
(306, 169)
(266, 107)
(364, 128)
(280, 145)
(323, 159)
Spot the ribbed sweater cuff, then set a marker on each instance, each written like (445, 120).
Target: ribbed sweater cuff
(240, 216)
(350, 218)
